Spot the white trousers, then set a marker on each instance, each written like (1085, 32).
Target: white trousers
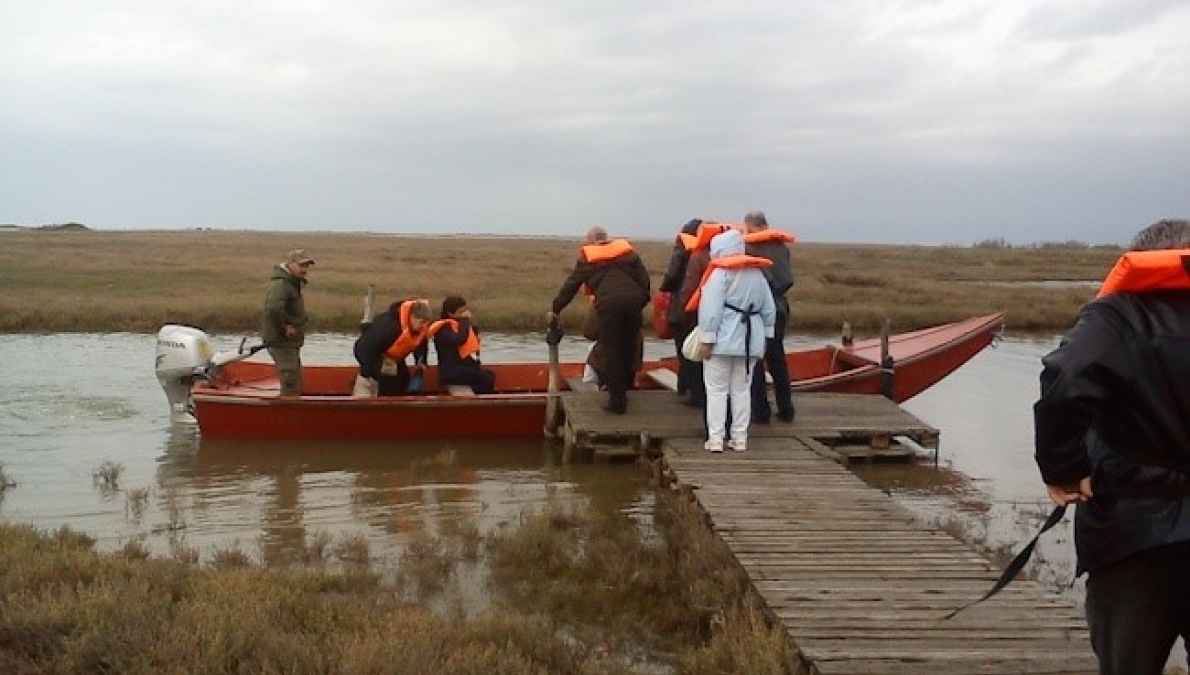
(725, 379)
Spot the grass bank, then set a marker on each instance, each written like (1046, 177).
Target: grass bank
(577, 592)
(103, 281)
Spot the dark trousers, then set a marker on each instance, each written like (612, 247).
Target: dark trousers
(619, 330)
(481, 380)
(774, 363)
(289, 369)
(1137, 607)
(689, 372)
(396, 384)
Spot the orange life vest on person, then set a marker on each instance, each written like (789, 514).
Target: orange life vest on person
(1147, 271)
(730, 262)
(470, 345)
(600, 253)
(605, 251)
(768, 234)
(408, 341)
(702, 238)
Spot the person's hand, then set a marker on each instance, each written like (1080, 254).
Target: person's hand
(551, 316)
(705, 349)
(1070, 493)
(464, 313)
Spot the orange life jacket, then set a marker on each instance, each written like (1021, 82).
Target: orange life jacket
(470, 345)
(702, 238)
(408, 341)
(597, 254)
(768, 234)
(1146, 271)
(605, 251)
(730, 262)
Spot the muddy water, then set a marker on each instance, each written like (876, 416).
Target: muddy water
(70, 403)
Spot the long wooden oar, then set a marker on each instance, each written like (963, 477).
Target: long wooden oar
(553, 336)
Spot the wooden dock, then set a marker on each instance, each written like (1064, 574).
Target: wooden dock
(845, 427)
(860, 586)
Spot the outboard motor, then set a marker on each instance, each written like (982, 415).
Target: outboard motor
(185, 354)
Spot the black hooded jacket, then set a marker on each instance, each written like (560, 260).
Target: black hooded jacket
(1115, 405)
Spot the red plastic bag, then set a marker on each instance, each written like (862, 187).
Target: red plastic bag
(661, 325)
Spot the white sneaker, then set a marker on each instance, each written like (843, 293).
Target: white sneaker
(738, 445)
(713, 446)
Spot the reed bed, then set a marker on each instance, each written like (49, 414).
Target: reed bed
(104, 281)
(582, 592)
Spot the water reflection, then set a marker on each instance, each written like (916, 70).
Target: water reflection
(279, 496)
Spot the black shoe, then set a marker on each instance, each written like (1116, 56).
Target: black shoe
(614, 409)
(694, 403)
(761, 419)
(785, 416)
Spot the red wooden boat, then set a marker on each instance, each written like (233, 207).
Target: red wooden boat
(241, 399)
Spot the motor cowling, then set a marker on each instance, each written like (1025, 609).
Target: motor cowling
(183, 354)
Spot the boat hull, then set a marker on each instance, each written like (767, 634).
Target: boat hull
(243, 401)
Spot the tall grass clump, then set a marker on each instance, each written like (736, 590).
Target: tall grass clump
(599, 576)
(66, 609)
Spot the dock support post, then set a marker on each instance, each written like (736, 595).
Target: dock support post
(887, 367)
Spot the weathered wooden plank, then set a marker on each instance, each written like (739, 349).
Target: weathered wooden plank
(859, 583)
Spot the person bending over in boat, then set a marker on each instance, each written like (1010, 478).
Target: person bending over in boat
(388, 338)
(457, 344)
(616, 277)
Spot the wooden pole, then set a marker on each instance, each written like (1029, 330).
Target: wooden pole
(887, 367)
(552, 337)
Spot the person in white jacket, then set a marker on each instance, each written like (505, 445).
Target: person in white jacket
(736, 313)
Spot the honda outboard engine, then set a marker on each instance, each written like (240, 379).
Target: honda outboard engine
(185, 354)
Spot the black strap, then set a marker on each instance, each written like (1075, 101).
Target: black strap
(1018, 563)
(748, 314)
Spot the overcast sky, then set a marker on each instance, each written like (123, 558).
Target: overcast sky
(886, 121)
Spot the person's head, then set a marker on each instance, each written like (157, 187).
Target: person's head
(755, 221)
(298, 263)
(419, 315)
(1162, 235)
(596, 235)
(691, 226)
(728, 242)
(452, 305)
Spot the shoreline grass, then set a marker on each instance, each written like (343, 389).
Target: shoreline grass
(134, 281)
(582, 592)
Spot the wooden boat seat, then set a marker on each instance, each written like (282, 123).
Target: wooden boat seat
(460, 390)
(664, 377)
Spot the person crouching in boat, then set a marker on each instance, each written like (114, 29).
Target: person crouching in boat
(457, 344)
(388, 338)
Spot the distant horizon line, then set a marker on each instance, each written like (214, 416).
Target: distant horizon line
(990, 242)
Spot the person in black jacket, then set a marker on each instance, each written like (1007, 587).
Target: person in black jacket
(772, 244)
(387, 339)
(1113, 436)
(613, 273)
(457, 344)
(671, 283)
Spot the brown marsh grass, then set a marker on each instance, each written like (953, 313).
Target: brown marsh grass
(618, 602)
(102, 281)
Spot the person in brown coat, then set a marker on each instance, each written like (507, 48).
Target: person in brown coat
(612, 272)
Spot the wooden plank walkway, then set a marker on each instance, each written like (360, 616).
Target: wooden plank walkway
(841, 426)
(859, 585)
